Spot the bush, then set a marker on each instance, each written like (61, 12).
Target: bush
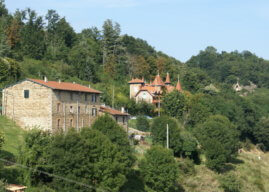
(86, 157)
(142, 123)
(261, 132)
(117, 135)
(190, 147)
(159, 170)
(159, 132)
(219, 139)
(186, 167)
(230, 183)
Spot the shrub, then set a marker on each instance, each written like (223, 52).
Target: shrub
(261, 132)
(219, 139)
(186, 167)
(159, 170)
(142, 123)
(230, 183)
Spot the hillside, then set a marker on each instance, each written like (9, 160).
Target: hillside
(251, 172)
(13, 135)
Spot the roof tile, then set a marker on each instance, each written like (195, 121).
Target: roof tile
(65, 86)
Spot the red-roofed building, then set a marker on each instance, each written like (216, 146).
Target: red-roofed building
(120, 117)
(152, 92)
(51, 105)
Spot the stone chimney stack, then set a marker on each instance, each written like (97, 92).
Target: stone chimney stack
(122, 110)
(45, 79)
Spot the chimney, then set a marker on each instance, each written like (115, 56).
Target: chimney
(89, 86)
(74, 82)
(45, 79)
(122, 110)
(59, 81)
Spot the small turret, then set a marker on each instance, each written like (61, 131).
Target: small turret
(178, 86)
(167, 81)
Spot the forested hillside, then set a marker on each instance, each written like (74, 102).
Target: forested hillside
(209, 122)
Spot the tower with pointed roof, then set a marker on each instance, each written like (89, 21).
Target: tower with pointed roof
(167, 80)
(151, 93)
(135, 85)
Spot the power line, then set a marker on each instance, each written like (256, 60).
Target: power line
(52, 175)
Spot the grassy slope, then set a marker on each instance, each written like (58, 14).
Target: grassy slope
(252, 172)
(13, 135)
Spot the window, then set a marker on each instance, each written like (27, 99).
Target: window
(117, 119)
(58, 123)
(71, 109)
(94, 111)
(59, 94)
(26, 94)
(78, 109)
(94, 98)
(71, 96)
(86, 109)
(123, 120)
(58, 107)
(71, 122)
(86, 97)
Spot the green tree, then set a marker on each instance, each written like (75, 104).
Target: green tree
(87, 157)
(261, 132)
(159, 132)
(174, 104)
(2, 186)
(190, 146)
(219, 139)
(117, 135)
(159, 170)
(33, 36)
(142, 123)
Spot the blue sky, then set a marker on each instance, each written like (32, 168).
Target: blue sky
(180, 28)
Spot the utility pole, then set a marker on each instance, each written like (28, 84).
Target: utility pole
(159, 106)
(167, 136)
(113, 95)
(77, 115)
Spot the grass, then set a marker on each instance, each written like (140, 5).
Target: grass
(13, 135)
(251, 172)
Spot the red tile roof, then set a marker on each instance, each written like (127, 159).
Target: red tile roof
(178, 87)
(169, 88)
(158, 81)
(65, 86)
(167, 81)
(112, 111)
(136, 81)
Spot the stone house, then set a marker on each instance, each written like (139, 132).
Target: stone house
(151, 92)
(51, 105)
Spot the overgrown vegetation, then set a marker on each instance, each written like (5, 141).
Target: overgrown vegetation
(208, 121)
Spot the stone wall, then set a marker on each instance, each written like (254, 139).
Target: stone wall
(34, 111)
(73, 109)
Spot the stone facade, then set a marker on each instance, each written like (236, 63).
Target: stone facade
(34, 111)
(47, 108)
(73, 109)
